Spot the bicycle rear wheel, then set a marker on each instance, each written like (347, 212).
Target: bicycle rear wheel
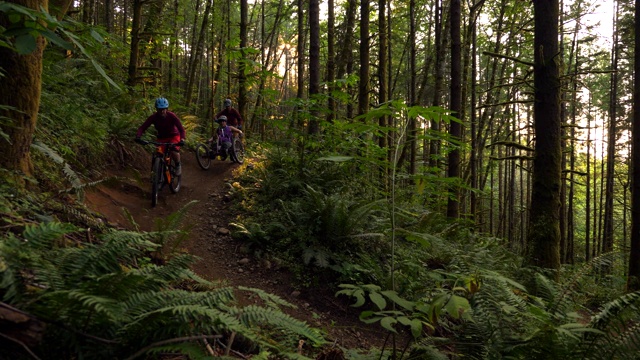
(156, 180)
(237, 153)
(176, 180)
(202, 156)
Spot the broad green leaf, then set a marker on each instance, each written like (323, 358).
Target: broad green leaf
(359, 295)
(388, 322)
(25, 44)
(57, 40)
(96, 36)
(416, 328)
(336, 158)
(457, 305)
(104, 74)
(404, 320)
(393, 296)
(378, 299)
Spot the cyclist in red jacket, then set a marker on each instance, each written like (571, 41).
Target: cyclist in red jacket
(169, 128)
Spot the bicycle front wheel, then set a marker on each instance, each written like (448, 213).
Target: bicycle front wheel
(176, 180)
(237, 154)
(202, 156)
(156, 180)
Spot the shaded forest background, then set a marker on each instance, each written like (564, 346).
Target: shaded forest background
(460, 169)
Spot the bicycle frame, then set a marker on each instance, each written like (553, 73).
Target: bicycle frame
(163, 150)
(162, 169)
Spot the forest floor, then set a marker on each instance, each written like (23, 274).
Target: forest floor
(222, 258)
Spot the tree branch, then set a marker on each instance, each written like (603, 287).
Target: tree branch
(507, 57)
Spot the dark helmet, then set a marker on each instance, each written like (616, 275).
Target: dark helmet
(227, 103)
(162, 103)
(221, 119)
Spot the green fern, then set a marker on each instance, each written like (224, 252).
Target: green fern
(71, 175)
(97, 292)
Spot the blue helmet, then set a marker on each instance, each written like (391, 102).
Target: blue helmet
(227, 102)
(162, 103)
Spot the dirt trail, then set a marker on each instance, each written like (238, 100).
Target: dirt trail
(221, 257)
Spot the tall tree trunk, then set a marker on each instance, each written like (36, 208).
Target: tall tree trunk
(242, 76)
(363, 87)
(413, 132)
(434, 145)
(473, 159)
(301, 58)
(108, 15)
(544, 232)
(197, 55)
(607, 235)
(173, 43)
(587, 210)
(633, 282)
(20, 97)
(455, 128)
(331, 61)
(382, 67)
(134, 51)
(314, 63)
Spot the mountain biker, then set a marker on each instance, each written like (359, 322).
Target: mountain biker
(169, 128)
(233, 116)
(225, 135)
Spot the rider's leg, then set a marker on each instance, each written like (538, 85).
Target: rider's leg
(175, 155)
(225, 149)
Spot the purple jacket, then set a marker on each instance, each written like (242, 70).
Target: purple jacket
(225, 134)
(167, 127)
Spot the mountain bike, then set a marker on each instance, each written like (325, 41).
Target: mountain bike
(163, 169)
(205, 153)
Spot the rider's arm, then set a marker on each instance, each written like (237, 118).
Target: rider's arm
(235, 129)
(144, 126)
(178, 123)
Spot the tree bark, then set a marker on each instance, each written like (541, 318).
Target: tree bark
(314, 63)
(20, 90)
(455, 128)
(199, 49)
(544, 232)
(382, 67)
(363, 87)
(134, 51)
(413, 132)
(331, 62)
(242, 76)
(633, 281)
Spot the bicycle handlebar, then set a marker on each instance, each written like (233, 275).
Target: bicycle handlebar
(147, 142)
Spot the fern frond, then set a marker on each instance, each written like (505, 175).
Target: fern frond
(253, 315)
(613, 309)
(43, 235)
(270, 299)
(71, 175)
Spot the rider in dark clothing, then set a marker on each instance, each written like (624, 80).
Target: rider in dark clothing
(233, 116)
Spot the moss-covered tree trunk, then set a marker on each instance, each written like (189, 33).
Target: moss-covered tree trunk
(20, 90)
(543, 248)
(633, 283)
